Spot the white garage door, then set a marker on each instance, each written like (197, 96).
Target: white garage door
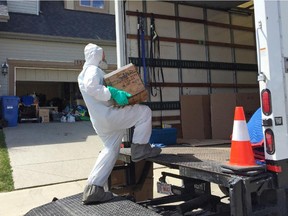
(46, 74)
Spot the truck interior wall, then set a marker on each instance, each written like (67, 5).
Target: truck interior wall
(189, 76)
(189, 33)
(245, 56)
(247, 77)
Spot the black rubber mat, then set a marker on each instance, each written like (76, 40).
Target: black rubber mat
(174, 154)
(72, 206)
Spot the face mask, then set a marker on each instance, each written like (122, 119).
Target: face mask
(103, 65)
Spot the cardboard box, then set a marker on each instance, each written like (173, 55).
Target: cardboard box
(44, 114)
(139, 193)
(144, 193)
(80, 102)
(128, 79)
(119, 182)
(118, 177)
(223, 108)
(195, 116)
(250, 103)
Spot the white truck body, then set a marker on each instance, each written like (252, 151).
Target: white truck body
(271, 24)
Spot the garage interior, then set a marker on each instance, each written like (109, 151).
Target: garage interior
(52, 86)
(56, 94)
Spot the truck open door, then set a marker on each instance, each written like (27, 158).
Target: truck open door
(271, 26)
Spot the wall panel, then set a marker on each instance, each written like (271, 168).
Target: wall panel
(217, 34)
(193, 31)
(190, 12)
(220, 54)
(217, 16)
(245, 56)
(193, 52)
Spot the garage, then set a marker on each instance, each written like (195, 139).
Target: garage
(52, 86)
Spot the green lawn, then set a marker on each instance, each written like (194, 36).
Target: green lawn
(6, 179)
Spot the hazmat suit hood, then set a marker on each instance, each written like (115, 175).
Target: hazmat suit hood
(91, 78)
(93, 55)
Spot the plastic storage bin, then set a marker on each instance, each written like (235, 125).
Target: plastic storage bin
(27, 100)
(9, 110)
(166, 136)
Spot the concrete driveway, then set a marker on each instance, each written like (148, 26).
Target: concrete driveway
(54, 160)
(49, 153)
(49, 160)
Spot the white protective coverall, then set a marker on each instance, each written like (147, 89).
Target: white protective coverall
(108, 121)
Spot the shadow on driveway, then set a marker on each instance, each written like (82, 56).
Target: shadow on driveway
(49, 153)
(27, 134)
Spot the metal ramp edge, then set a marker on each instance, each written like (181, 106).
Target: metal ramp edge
(72, 206)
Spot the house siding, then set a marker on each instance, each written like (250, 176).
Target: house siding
(26, 7)
(49, 51)
(44, 51)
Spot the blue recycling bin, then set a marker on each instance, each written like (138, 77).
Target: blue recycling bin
(9, 108)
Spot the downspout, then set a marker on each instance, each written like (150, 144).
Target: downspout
(120, 33)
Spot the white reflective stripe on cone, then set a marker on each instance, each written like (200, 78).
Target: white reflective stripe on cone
(240, 131)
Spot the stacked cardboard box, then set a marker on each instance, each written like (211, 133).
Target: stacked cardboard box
(119, 182)
(44, 114)
(222, 111)
(128, 79)
(206, 117)
(195, 116)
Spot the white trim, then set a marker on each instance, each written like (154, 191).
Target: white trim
(14, 82)
(44, 68)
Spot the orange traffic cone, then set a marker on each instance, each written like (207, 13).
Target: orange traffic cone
(242, 161)
(241, 150)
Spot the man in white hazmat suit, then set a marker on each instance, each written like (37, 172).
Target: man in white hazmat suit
(110, 123)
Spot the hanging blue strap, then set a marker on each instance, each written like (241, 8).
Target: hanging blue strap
(143, 57)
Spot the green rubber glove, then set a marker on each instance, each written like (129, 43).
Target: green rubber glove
(120, 96)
